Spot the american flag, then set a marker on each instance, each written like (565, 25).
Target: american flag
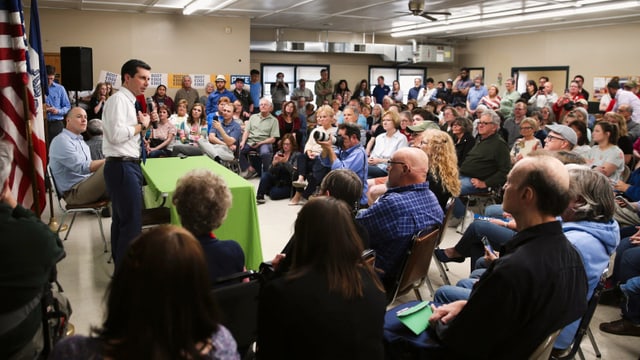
(20, 70)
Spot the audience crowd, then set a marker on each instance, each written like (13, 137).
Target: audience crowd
(370, 172)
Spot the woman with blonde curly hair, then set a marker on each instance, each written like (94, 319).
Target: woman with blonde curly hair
(443, 164)
(202, 200)
(443, 167)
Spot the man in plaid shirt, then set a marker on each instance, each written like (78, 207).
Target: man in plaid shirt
(407, 207)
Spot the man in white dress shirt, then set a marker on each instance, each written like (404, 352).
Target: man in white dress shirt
(123, 124)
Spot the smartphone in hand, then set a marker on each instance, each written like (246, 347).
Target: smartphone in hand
(486, 244)
(623, 202)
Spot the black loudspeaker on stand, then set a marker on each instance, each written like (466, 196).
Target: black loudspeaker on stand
(77, 68)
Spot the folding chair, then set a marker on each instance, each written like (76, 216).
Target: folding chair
(442, 267)
(492, 196)
(238, 304)
(369, 257)
(233, 165)
(415, 268)
(583, 328)
(94, 207)
(543, 351)
(155, 216)
(152, 217)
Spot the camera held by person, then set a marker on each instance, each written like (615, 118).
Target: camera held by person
(321, 136)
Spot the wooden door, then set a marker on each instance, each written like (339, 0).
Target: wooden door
(53, 59)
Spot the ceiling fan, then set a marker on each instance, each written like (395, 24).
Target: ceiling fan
(416, 8)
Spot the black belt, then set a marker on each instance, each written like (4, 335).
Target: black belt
(122, 159)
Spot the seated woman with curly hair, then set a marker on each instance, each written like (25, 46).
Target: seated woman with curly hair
(202, 200)
(443, 167)
(158, 306)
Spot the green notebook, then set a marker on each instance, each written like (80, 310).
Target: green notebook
(416, 318)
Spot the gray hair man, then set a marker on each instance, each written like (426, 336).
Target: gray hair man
(488, 162)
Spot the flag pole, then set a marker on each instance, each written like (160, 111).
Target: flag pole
(29, 131)
(53, 222)
(36, 44)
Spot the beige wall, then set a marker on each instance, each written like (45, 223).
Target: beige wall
(169, 43)
(352, 67)
(589, 52)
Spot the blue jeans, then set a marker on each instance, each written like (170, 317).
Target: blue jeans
(470, 244)
(466, 188)
(448, 294)
(266, 155)
(626, 231)
(268, 186)
(313, 171)
(472, 279)
(124, 186)
(376, 172)
(627, 262)
(494, 211)
(631, 310)
(159, 153)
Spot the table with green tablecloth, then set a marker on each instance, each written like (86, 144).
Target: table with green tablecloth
(241, 223)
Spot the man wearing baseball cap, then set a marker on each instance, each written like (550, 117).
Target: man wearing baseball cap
(418, 128)
(244, 97)
(220, 91)
(560, 137)
(416, 132)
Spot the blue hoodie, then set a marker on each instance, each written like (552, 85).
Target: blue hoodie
(595, 242)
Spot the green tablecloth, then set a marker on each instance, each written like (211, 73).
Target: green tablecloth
(241, 224)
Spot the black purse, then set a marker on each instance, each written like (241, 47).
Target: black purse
(155, 142)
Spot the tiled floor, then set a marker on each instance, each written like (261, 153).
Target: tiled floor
(85, 274)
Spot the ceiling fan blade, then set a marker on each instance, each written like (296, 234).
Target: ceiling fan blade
(426, 16)
(438, 13)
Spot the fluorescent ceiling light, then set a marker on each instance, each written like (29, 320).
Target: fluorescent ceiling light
(194, 6)
(208, 5)
(516, 19)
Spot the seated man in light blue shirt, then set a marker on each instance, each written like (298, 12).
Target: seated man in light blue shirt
(355, 106)
(351, 115)
(224, 136)
(78, 178)
(350, 156)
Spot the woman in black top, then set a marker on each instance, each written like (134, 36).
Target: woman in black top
(461, 131)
